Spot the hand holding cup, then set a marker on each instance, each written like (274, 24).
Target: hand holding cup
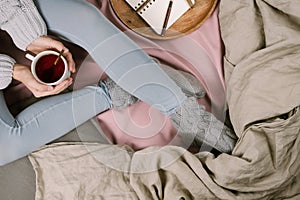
(24, 75)
(49, 67)
(44, 43)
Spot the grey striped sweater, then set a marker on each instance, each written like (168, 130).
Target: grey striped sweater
(22, 21)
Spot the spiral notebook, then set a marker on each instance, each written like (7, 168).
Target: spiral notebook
(154, 11)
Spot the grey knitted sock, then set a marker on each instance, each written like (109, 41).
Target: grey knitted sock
(188, 83)
(119, 97)
(197, 126)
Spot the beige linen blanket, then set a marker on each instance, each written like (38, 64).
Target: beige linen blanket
(262, 65)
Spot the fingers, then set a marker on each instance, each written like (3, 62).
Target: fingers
(50, 90)
(23, 74)
(70, 60)
(45, 42)
(54, 44)
(62, 86)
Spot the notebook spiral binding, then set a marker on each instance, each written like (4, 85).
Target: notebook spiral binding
(143, 6)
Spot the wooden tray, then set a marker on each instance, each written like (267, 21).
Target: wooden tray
(190, 21)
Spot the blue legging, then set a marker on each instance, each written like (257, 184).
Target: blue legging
(82, 23)
(52, 117)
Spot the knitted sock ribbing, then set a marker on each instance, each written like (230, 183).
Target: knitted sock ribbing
(188, 83)
(119, 97)
(197, 126)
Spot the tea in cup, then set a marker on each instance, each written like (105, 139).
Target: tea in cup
(47, 69)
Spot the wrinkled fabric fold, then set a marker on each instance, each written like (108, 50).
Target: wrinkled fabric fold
(262, 43)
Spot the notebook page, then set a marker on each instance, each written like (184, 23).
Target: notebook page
(155, 12)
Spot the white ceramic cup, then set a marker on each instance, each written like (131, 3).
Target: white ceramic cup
(66, 73)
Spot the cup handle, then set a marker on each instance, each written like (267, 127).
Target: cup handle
(29, 56)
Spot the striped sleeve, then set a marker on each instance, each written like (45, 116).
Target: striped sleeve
(22, 21)
(6, 70)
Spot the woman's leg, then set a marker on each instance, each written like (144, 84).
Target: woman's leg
(132, 69)
(125, 63)
(47, 120)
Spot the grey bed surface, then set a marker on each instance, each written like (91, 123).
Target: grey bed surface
(17, 179)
